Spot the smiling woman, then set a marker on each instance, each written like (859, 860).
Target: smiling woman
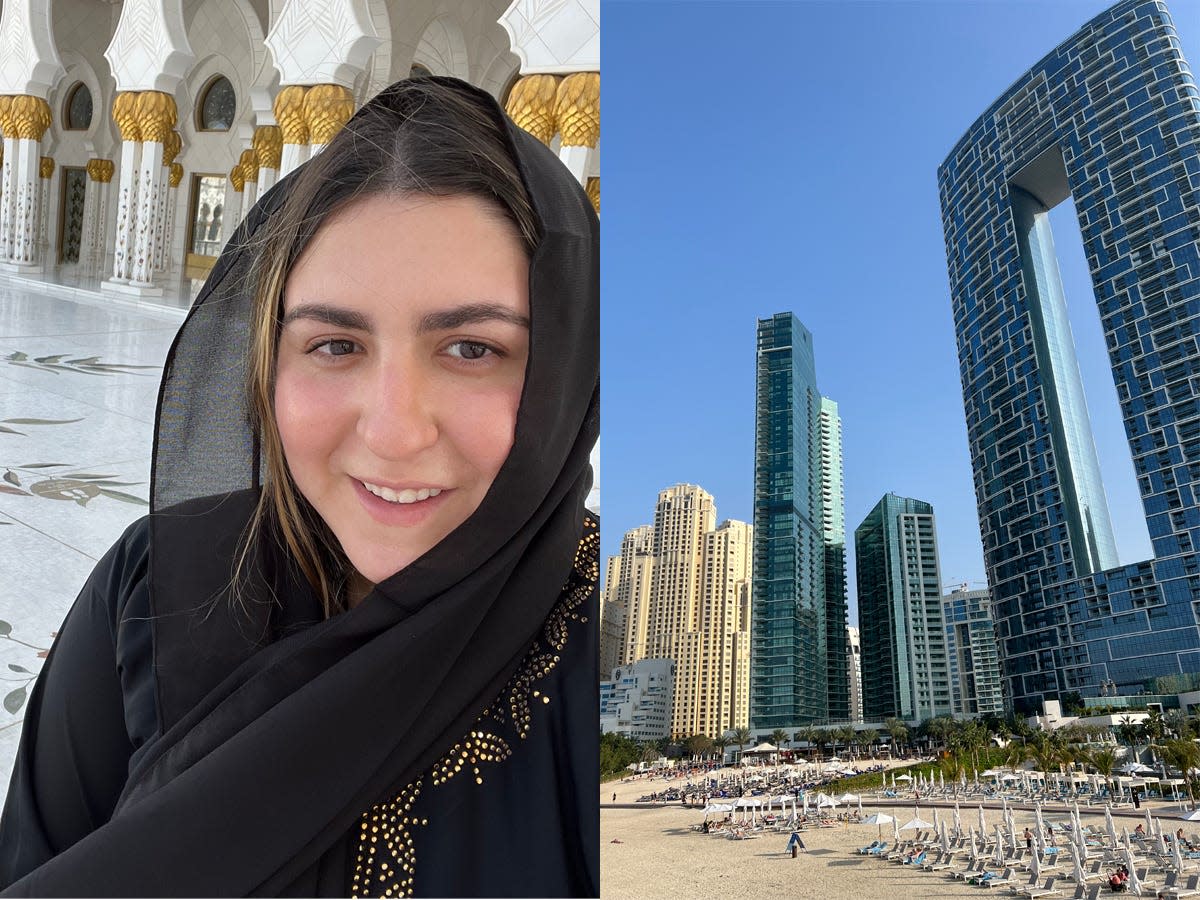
(354, 644)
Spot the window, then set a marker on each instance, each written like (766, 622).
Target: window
(217, 105)
(77, 112)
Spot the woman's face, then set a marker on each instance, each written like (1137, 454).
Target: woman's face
(401, 360)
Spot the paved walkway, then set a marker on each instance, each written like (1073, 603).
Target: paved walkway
(79, 374)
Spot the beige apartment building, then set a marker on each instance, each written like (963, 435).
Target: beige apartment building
(681, 587)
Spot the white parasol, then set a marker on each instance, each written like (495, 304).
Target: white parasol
(999, 846)
(1132, 885)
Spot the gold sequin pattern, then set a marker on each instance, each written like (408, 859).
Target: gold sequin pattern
(386, 857)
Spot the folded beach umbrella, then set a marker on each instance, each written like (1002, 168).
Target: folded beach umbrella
(895, 827)
(860, 809)
(1012, 832)
(1162, 843)
(1035, 865)
(1039, 829)
(942, 780)
(1077, 866)
(1134, 886)
(1110, 827)
(983, 829)
(974, 843)
(999, 845)
(945, 835)
(937, 822)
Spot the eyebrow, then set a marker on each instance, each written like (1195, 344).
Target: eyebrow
(442, 320)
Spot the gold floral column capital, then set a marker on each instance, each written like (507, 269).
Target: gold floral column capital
(237, 177)
(100, 170)
(172, 147)
(176, 175)
(327, 107)
(248, 163)
(531, 104)
(593, 192)
(156, 115)
(289, 113)
(577, 106)
(46, 166)
(268, 145)
(31, 116)
(124, 111)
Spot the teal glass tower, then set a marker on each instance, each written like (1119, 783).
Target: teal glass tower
(1111, 118)
(902, 628)
(798, 621)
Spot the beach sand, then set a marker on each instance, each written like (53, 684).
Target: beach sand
(658, 857)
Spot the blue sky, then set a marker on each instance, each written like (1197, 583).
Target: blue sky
(761, 157)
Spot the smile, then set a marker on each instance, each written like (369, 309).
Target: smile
(408, 495)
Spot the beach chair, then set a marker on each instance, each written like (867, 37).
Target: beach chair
(1004, 878)
(942, 862)
(878, 851)
(1016, 886)
(863, 851)
(918, 860)
(1190, 888)
(974, 870)
(1046, 890)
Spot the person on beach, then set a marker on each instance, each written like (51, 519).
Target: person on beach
(357, 631)
(1028, 838)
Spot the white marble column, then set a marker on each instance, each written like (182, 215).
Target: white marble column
(160, 220)
(249, 198)
(266, 179)
(87, 239)
(45, 184)
(99, 251)
(8, 199)
(231, 216)
(25, 234)
(172, 194)
(152, 183)
(127, 196)
(294, 155)
(578, 160)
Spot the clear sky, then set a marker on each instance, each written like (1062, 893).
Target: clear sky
(761, 157)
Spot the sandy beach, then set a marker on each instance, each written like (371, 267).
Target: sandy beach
(652, 854)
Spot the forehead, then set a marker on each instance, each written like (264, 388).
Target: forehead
(404, 248)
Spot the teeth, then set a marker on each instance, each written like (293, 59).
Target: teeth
(406, 496)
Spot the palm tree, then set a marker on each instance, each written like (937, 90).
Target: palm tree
(1184, 755)
(866, 738)
(741, 737)
(698, 744)
(845, 735)
(1103, 760)
(779, 737)
(720, 743)
(898, 731)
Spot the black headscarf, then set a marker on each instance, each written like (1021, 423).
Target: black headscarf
(253, 784)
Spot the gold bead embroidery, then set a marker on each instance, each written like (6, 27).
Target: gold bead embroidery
(391, 820)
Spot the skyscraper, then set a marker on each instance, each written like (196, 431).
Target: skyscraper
(798, 660)
(1111, 117)
(974, 656)
(854, 667)
(684, 588)
(905, 668)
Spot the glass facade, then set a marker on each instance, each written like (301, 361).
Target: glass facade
(974, 658)
(799, 593)
(905, 667)
(1111, 118)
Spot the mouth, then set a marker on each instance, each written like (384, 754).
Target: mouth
(401, 497)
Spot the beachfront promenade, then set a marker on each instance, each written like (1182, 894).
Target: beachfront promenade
(650, 851)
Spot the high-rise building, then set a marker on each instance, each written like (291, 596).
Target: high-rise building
(683, 585)
(854, 671)
(612, 627)
(973, 653)
(905, 668)
(1111, 118)
(833, 535)
(636, 701)
(798, 663)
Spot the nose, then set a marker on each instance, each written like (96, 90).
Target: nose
(398, 410)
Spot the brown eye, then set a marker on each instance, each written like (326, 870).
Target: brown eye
(469, 350)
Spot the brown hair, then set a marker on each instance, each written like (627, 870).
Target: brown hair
(420, 136)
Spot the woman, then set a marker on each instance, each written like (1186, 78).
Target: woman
(352, 649)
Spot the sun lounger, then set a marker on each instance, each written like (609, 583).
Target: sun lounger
(1046, 890)
(863, 851)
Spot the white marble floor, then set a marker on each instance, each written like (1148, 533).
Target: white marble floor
(79, 377)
